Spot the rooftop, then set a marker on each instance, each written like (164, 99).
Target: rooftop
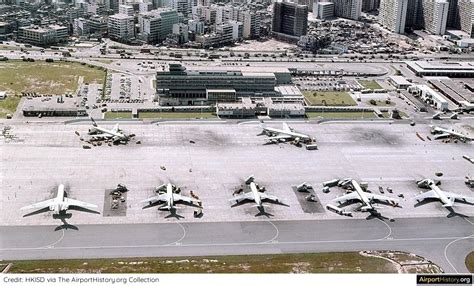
(428, 66)
(120, 16)
(401, 80)
(287, 90)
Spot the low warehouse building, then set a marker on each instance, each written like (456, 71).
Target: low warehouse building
(432, 97)
(52, 106)
(399, 82)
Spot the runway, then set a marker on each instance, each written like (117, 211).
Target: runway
(444, 241)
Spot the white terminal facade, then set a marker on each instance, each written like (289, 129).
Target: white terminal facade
(179, 86)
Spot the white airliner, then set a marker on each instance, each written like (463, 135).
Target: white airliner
(102, 133)
(441, 133)
(446, 198)
(59, 203)
(169, 198)
(282, 135)
(254, 195)
(364, 197)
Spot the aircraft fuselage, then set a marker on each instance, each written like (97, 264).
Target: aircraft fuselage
(256, 196)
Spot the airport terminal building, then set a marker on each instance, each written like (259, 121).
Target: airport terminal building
(424, 68)
(180, 86)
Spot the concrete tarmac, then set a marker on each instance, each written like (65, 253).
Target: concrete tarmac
(223, 154)
(445, 241)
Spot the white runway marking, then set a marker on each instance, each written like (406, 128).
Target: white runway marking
(276, 234)
(239, 243)
(449, 244)
(182, 237)
(389, 231)
(57, 241)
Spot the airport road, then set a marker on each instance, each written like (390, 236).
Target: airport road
(444, 241)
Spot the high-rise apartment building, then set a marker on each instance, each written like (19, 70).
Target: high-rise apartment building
(290, 19)
(350, 9)
(392, 15)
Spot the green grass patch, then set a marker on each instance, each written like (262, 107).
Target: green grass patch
(341, 115)
(105, 61)
(117, 115)
(329, 98)
(177, 115)
(8, 47)
(9, 105)
(46, 78)
(470, 262)
(347, 262)
(370, 84)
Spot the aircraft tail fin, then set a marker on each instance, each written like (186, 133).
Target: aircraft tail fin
(165, 207)
(168, 207)
(286, 127)
(369, 208)
(116, 128)
(93, 122)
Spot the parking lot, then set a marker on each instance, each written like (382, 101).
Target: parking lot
(326, 83)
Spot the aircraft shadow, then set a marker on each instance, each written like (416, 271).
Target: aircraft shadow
(151, 205)
(160, 203)
(85, 210)
(263, 212)
(352, 202)
(246, 201)
(432, 200)
(347, 203)
(465, 202)
(425, 202)
(453, 213)
(46, 209)
(174, 214)
(43, 210)
(62, 216)
(377, 215)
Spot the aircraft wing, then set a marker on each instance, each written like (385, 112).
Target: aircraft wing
(114, 132)
(442, 135)
(177, 197)
(155, 199)
(427, 195)
(380, 198)
(111, 132)
(246, 196)
(39, 205)
(102, 135)
(278, 137)
(459, 197)
(268, 197)
(77, 203)
(350, 196)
